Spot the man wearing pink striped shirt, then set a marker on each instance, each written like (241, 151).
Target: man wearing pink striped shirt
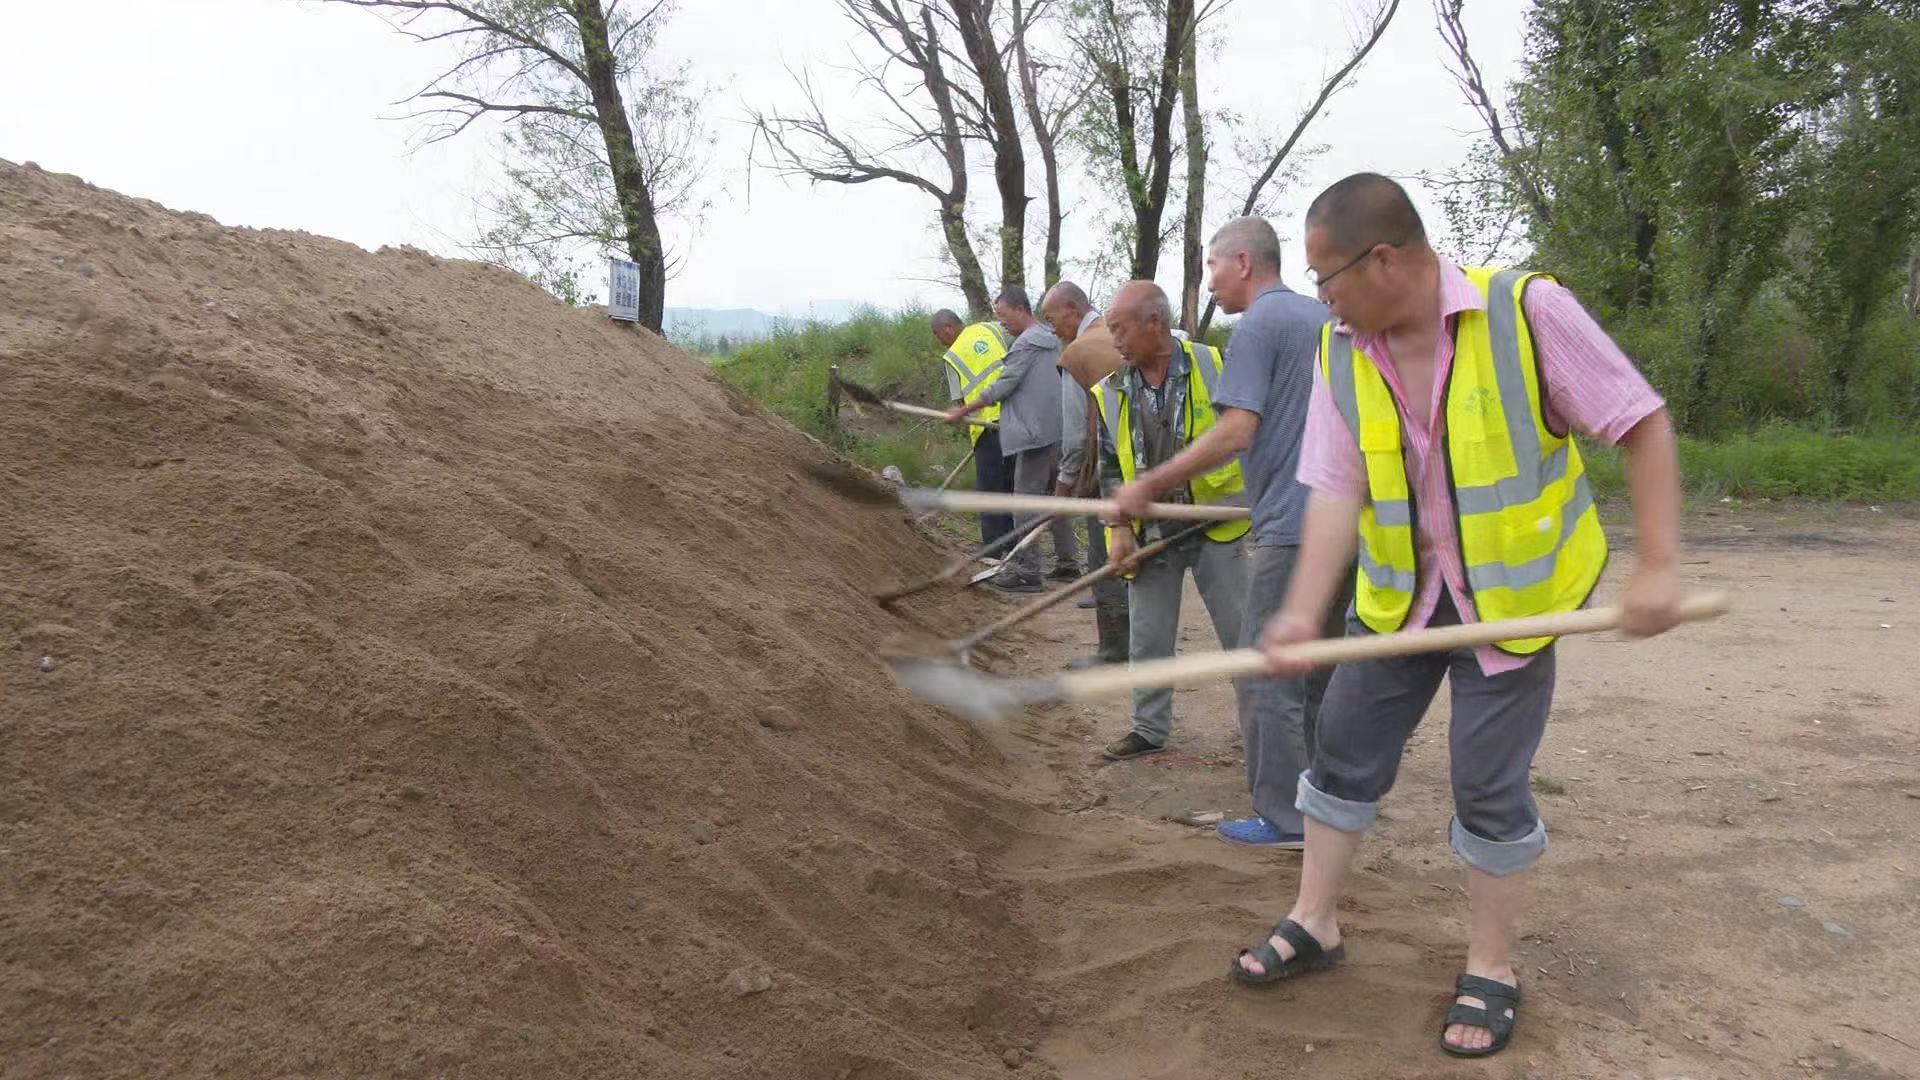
(1404, 312)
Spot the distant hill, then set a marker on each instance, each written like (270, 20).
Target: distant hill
(739, 324)
(748, 324)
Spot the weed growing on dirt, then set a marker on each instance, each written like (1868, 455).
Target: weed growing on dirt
(1549, 785)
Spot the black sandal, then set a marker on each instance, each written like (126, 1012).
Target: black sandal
(1307, 956)
(1500, 1001)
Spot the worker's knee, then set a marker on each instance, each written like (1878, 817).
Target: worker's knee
(1498, 857)
(1345, 814)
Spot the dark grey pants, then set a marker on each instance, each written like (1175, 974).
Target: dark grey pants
(1278, 717)
(1033, 474)
(1372, 707)
(1109, 599)
(992, 472)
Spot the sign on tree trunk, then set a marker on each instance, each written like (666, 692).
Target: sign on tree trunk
(623, 290)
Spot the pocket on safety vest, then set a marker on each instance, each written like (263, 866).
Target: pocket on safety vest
(1223, 477)
(1379, 436)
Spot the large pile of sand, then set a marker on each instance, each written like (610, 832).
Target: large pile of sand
(402, 674)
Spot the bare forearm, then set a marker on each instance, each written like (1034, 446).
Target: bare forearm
(1653, 483)
(1327, 541)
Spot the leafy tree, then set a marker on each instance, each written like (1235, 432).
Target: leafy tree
(603, 140)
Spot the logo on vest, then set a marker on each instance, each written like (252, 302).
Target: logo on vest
(980, 347)
(1480, 402)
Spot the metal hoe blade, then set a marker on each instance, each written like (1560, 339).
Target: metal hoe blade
(967, 692)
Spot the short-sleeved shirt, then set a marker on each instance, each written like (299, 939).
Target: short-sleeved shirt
(1590, 387)
(1270, 364)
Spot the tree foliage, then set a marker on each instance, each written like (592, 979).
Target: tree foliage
(603, 140)
(1687, 164)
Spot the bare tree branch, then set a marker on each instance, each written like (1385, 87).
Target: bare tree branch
(1328, 88)
(1377, 25)
(585, 166)
(481, 21)
(806, 143)
(1466, 73)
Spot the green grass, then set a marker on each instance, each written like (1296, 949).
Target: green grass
(1783, 463)
(895, 354)
(1549, 785)
(892, 353)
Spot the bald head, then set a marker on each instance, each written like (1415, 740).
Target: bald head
(1063, 308)
(1363, 210)
(1141, 321)
(1142, 300)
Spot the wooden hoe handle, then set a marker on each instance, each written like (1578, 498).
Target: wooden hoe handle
(1204, 667)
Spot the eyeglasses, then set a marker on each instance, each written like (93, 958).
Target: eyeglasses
(1319, 281)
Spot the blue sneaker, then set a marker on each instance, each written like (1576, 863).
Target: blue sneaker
(1259, 832)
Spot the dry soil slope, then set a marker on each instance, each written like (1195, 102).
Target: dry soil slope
(404, 674)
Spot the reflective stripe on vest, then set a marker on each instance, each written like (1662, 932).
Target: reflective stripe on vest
(1224, 486)
(976, 357)
(1529, 532)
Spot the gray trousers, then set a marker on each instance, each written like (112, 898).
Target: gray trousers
(1374, 705)
(1033, 474)
(1153, 610)
(1279, 717)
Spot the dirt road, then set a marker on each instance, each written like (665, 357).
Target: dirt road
(1732, 888)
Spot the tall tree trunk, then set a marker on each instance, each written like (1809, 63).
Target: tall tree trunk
(1190, 249)
(953, 208)
(1913, 280)
(629, 175)
(1045, 138)
(1009, 156)
(1329, 85)
(1645, 233)
(1150, 200)
(973, 280)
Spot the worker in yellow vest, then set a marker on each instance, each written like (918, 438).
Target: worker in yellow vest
(1151, 409)
(975, 354)
(1438, 445)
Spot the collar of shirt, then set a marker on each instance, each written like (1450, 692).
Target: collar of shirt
(1176, 368)
(1457, 294)
(1037, 336)
(1087, 320)
(1276, 287)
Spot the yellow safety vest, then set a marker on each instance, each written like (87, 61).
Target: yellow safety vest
(976, 358)
(1529, 533)
(1222, 485)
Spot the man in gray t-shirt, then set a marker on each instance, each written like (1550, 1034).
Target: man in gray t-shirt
(1263, 411)
(1270, 360)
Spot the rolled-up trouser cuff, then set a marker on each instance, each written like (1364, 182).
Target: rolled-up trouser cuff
(1496, 857)
(1333, 811)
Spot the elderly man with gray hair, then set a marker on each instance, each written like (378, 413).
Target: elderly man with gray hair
(1151, 410)
(1263, 412)
(1028, 393)
(1089, 357)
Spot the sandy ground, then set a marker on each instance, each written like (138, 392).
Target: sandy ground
(405, 675)
(1731, 891)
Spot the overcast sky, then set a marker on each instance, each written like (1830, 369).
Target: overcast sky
(270, 113)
